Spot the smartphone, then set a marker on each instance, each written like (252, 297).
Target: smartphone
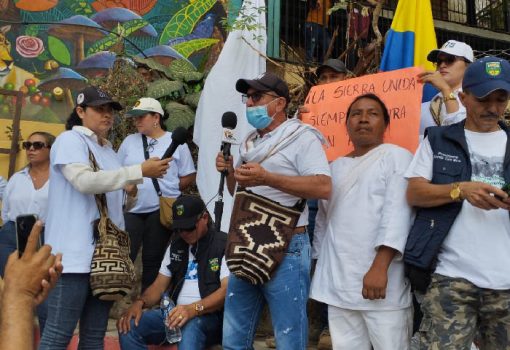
(24, 224)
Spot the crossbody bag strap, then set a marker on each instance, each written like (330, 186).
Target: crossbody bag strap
(146, 156)
(100, 197)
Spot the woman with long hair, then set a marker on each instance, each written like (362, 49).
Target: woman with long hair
(72, 211)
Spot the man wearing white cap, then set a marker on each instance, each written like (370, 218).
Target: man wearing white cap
(451, 61)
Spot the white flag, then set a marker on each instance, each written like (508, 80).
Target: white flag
(240, 58)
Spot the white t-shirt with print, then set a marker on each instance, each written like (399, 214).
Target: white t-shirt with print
(478, 244)
(131, 152)
(190, 292)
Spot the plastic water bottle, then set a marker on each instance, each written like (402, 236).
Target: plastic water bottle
(173, 335)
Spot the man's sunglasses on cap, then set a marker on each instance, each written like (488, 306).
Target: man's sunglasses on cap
(37, 145)
(255, 96)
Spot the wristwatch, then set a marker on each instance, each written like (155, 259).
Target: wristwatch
(450, 97)
(199, 307)
(455, 192)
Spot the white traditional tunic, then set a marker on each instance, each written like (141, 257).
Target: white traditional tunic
(367, 209)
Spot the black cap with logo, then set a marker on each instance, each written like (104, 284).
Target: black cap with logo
(94, 96)
(186, 210)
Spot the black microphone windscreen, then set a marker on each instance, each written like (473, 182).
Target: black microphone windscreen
(229, 120)
(179, 135)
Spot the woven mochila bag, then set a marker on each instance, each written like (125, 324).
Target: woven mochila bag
(112, 273)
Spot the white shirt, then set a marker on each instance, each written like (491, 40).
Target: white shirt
(22, 198)
(304, 157)
(131, 152)
(190, 292)
(372, 213)
(446, 118)
(71, 207)
(478, 244)
(3, 183)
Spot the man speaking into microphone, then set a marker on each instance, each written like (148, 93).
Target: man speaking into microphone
(280, 164)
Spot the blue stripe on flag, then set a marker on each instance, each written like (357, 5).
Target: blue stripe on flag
(401, 54)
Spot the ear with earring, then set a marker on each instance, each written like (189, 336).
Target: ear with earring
(154, 125)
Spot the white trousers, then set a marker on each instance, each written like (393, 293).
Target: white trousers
(362, 330)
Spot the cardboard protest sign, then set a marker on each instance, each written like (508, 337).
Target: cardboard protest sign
(399, 90)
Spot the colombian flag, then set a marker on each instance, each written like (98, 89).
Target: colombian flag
(410, 38)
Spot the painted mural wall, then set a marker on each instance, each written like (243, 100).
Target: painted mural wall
(49, 49)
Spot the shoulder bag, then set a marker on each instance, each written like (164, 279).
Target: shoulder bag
(112, 273)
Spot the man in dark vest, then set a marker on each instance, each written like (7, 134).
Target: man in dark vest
(462, 227)
(194, 274)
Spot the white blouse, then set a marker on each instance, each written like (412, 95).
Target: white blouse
(21, 197)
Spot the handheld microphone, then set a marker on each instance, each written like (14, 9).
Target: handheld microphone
(228, 123)
(179, 136)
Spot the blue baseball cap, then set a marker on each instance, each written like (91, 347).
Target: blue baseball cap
(486, 75)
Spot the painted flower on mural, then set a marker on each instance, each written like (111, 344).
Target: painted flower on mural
(29, 46)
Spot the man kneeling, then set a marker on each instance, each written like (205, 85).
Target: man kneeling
(194, 273)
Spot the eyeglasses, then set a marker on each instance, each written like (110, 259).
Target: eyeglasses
(150, 146)
(448, 60)
(37, 145)
(255, 96)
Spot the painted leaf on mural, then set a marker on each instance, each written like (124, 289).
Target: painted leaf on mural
(183, 22)
(59, 50)
(80, 7)
(189, 47)
(32, 30)
(111, 39)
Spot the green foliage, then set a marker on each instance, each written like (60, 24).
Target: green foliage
(185, 71)
(164, 87)
(246, 22)
(122, 30)
(32, 30)
(44, 56)
(46, 115)
(180, 115)
(79, 7)
(183, 22)
(187, 48)
(59, 50)
(192, 99)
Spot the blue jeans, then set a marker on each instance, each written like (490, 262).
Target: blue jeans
(286, 294)
(7, 243)
(317, 41)
(70, 301)
(198, 333)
